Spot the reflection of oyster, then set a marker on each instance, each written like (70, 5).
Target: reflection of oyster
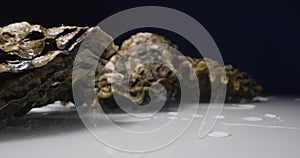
(36, 65)
(241, 87)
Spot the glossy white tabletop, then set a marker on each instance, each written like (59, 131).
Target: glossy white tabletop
(269, 129)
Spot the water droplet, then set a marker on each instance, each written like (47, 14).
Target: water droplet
(261, 126)
(239, 107)
(198, 116)
(219, 134)
(173, 113)
(260, 99)
(248, 106)
(131, 120)
(270, 115)
(172, 117)
(185, 119)
(252, 118)
(219, 117)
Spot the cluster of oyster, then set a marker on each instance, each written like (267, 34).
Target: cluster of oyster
(152, 47)
(36, 66)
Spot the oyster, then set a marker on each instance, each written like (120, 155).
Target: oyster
(241, 87)
(36, 65)
(140, 76)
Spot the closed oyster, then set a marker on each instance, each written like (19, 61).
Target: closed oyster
(134, 79)
(241, 87)
(36, 65)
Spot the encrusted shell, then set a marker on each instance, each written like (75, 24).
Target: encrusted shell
(241, 87)
(136, 50)
(37, 64)
(24, 46)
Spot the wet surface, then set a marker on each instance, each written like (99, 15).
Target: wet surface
(263, 129)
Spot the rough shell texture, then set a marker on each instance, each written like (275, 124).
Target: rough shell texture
(36, 65)
(145, 37)
(240, 86)
(24, 46)
(128, 75)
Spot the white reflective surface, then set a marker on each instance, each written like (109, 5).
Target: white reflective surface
(57, 131)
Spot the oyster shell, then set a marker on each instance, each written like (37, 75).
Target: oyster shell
(36, 64)
(143, 75)
(24, 46)
(241, 87)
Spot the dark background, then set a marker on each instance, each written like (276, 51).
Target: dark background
(259, 37)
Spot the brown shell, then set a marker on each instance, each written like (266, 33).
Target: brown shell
(36, 64)
(241, 87)
(24, 46)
